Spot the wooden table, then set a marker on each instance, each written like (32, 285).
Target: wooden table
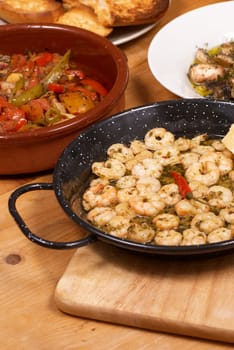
(29, 318)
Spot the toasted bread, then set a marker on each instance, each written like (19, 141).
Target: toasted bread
(116, 13)
(21, 11)
(228, 139)
(84, 17)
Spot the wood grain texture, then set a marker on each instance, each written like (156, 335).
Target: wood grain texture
(190, 297)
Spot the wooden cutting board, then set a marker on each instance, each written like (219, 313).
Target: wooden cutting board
(192, 297)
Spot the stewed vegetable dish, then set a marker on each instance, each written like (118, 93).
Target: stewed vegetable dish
(212, 72)
(164, 190)
(42, 89)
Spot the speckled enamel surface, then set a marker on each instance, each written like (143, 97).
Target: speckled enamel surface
(182, 117)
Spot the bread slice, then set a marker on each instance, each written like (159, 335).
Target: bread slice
(114, 13)
(228, 139)
(84, 17)
(21, 11)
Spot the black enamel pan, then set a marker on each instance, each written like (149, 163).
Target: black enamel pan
(72, 172)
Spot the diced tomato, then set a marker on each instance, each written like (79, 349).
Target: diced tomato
(44, 58)
(18, 61)
(87, 92)
(59, 88)
(3, 102)
(94, 84)
(12, 118)
(9, 111)
(35, 109)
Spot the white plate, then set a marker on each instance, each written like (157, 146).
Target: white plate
(124, 34)
(173, 48)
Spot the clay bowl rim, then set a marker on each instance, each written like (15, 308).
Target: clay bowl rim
(100, 110)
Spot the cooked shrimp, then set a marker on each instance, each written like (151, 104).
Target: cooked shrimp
(98, 183)
(183, 144)
(228, 214)
(219, 196)
(201, 207)
(206, 222)
(167, 155)
(201, 149)
(141, 232)
(168, 237)
(197, 140)
(135, 198)
(147, 206)
(118, 226)
(190, 207)
(185, 208)
(147, 167)
(206, 173)
(99, 196)
(157, 138)
(143, 155)
(111, 169)
(100, 216)
(124, 209)
(170, 194)
(202, 56)
(126, 181)
(189, 158)
(231, 175)
(147, 185)
(166, 221)
(130, 164)
(205, 72)
(224, 163)
(120, 152)
(220, 234)
(125, 194)
(218, 145)
(198, 189)
(225, 60)
(137, 146)
(227, 48)
(193, 236)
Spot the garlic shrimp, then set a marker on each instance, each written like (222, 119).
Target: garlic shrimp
(168, 237)
(206, 173)
(219, 196)
(157, 138)
(112, 169)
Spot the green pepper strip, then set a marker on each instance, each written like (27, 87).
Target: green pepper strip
(52, 116)
(39, 89)
(57, 71)
(31, 94)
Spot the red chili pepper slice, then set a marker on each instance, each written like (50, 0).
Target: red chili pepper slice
(44, 58)
(20, 123)
(95, 85)
(59, 88)
(181, 182)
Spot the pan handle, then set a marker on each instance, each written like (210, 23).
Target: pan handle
(27, 232)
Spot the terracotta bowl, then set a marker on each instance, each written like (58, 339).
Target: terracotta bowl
(39, 150)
